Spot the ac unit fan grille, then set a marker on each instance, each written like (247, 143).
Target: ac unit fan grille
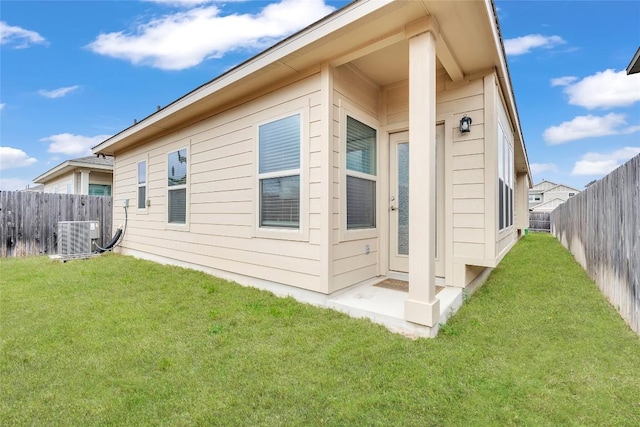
(75, 237)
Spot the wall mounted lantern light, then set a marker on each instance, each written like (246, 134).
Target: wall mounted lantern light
(465, 124)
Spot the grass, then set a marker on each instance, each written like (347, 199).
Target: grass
(115, 341)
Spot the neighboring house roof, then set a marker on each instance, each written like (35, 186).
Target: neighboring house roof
(548, 186)
(103, 164)
(562, 187)
(548, 205)
(366, 33)
(543, 185)
(634, 65)
(39, 188)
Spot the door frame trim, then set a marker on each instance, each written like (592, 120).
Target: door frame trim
(384, 248)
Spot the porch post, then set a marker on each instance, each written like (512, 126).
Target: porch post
(422, 306)
(84, 181)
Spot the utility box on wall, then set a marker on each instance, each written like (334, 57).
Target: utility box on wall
(77, 237)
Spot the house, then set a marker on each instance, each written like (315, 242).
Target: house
(294, 168)
(86, 175)
(39, 188)
(546, 196)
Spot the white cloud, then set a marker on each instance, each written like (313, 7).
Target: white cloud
(602, 164)
(58, 93)
(538, 168)
(563, 81)
(605, 89)
(14, 158)
(524, 44)
(588, 127)
(13, 184)
(73, 145)
(185, 39)
(19, 37)
(2, 105)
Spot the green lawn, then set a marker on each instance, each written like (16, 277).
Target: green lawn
(123, 342)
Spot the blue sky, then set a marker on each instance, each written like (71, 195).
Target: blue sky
(75, 72)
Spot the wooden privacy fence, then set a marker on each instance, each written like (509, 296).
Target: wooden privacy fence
(540, 221)
(29, 221)
(601, 228)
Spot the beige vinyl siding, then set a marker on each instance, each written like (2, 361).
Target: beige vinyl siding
(351, 263)
(71, 181)
(561, 192)
(466, 165)
(59, 184)
(221, 232)
(521, 209)
(543, 186)
(466, 161)
(101, 178)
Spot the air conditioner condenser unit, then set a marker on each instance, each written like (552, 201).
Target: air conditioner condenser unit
(77, 238)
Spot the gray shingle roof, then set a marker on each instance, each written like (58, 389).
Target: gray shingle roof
(93, 160)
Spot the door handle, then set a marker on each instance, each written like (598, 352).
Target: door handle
(393, 208)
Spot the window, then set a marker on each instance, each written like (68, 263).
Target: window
(177, 186)
(99, 190)
(361, 177)
(572, 194)
(534, 197)
(279, 145)
(142, 184)
(505, 180)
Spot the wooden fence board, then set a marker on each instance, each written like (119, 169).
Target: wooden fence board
(601, 228)
(540, 221)
(29, 221)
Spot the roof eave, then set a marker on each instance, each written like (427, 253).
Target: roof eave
(67, 167)
(634, 65)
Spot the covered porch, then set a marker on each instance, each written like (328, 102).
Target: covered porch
(414, 57)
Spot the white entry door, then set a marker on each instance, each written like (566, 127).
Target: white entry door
(399, 201)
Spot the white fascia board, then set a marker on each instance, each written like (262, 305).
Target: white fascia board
(51, 172)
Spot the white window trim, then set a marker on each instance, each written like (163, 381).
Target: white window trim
(173, 225)
(282, 233)
(507, 156)
(348, 109)
(146, 185)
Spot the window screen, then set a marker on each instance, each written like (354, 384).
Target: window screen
(505, 180)
(361, 175)
(142, 185)
(177, 186)
(279, 172)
